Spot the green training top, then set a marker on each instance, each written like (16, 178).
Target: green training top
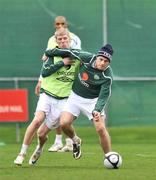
(89, 82)
(57, 78)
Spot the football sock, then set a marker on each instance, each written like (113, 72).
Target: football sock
(24, 149)
(58, 139)
(75, 139)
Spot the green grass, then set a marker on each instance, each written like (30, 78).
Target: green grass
(136, 145)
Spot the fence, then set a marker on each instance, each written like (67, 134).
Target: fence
(132, 101)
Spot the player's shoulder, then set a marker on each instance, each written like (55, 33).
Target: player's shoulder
(52, 42)
(51, 38)
(108, 72)
(72, 35)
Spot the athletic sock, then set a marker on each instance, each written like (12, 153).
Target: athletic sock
(75, 139)
(58, 139)
(24, 149)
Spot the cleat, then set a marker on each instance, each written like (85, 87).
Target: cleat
(55, 147)
(66, 148)
(77, 149)
(35, 156)
(19, 160)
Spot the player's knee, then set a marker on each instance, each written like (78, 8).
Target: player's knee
(100, 129)
(63, 123)
(66, 119)
(38, 119)
(36, 122)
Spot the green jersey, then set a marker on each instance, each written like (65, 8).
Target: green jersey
(89, 82)
(58, 79)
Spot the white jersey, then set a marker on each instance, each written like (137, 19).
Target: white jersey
(75, 41)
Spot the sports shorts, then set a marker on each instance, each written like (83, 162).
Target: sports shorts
(52, 108)
(76, 104)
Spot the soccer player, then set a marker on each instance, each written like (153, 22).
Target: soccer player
(90, 92)
(58, 75)
(75, 43)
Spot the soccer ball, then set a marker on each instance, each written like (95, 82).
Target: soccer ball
(113, 160)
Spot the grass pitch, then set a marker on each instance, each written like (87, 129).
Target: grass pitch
(137, 147)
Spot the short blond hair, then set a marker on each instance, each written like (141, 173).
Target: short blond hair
(62, 31)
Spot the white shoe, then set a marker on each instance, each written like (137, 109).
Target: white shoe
(35, 156)
(55, 147)
(19, 159)
(66, 148)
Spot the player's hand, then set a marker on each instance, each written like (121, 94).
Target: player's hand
(44, 57)
(37, 88)
(96, 115)
(67, 61)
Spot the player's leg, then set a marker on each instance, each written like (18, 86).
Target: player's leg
(87, 107)
(104, 137)
(70, 112)
(42, 134)
(32, 128)
(66, 121)
(29, 135)
(40, 114)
